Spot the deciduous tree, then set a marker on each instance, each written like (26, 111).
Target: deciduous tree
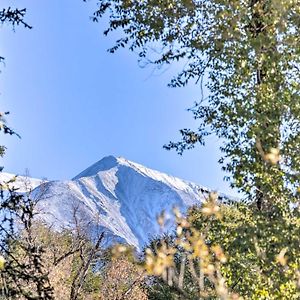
(246, 52)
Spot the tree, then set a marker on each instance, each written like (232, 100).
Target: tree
(6, 130)
(37, 262)
(247, 52)
(13, 17)
(228, 251)
(70, 258)
(122, 277)
(24, 275)
(40, 262)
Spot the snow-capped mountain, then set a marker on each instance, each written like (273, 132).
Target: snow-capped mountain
(118, 196)
(21, 183)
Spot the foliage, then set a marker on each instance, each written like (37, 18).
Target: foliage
(6, 130)
(41, 263)
(261, 249)
(123, 277)
(37, 263)
(24, 275)
(13, 17)
(66, 255)
(248, 53)
(228, 251)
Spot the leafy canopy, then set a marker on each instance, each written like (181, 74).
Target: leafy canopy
(248, 52)
(228, 251)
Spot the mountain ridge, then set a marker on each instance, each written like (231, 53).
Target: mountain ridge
(117, 196)
(23, 183)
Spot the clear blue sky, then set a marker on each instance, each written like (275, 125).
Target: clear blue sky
(74, 103)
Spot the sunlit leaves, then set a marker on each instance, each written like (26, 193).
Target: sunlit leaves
(242, 254)
(2, 262)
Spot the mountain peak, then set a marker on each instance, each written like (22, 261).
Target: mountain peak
(110, 162)
(119, 196)
(106, 163)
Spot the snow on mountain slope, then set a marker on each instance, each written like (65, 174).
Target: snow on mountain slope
(21, 183)
(119, 196)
